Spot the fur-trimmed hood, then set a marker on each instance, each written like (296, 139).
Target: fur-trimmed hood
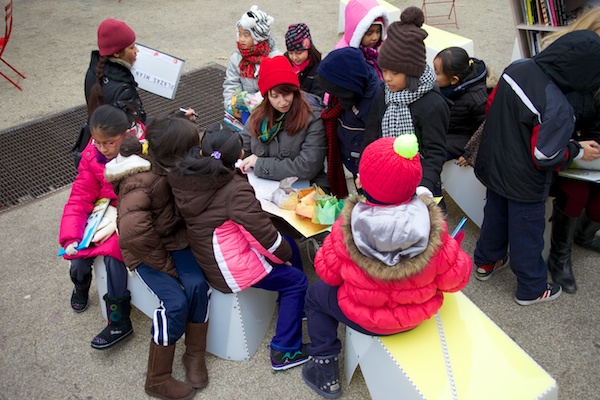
(359, 16)
(406, 266)
(121, 167)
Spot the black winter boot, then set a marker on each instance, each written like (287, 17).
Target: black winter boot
(119, 325)
(79, 297)
(322, 374)
(586, 233)
(559, 261)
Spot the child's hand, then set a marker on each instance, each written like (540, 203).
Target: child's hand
(591, 150)
(248, 162)
(357, 183)
(71, 249)
(462, 162)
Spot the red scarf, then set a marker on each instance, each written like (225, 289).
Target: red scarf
(335, 170)
(252, 57)
(298, 69)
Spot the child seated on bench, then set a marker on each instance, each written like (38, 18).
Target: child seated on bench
(386, 263)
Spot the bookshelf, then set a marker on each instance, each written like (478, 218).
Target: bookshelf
(536, 18)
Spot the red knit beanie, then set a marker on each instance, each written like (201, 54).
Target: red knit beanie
(114, 36)
(390, 169)
(276, 71)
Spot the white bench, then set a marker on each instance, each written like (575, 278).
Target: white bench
(460, 354)
(468, 193)
(237, 322)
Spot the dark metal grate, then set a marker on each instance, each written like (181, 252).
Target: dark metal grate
(35, 158)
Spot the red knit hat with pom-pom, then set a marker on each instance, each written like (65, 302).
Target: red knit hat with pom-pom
(390, 169)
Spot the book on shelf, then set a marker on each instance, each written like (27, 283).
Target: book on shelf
(545, 19)
(232, 121)
(552, 13)
(91, 224)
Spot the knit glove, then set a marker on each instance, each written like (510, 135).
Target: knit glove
(107, 226)
(71, 249)
(423, 190)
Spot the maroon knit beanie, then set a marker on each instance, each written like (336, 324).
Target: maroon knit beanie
(114, 36)
(388, 173)
(298, 37)
(404, 50)
(276, 71)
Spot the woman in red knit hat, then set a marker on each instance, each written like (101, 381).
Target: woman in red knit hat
(284, 135)
(109, 79)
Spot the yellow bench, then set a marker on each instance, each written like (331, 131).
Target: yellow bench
(459, 354)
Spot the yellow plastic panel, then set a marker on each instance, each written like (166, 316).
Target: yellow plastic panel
(486, 363)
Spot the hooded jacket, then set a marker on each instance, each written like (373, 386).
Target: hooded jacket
(119, 88)
(89, 186)
(231, 237)
(149, 224)
(233, 79)
(468, 111)
(358, 18)
(530, 122)
(394, 290)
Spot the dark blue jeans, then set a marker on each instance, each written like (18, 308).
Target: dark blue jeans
(520, 226)
(291, 284)
(116, 274)
(323, 316)
(181, 300)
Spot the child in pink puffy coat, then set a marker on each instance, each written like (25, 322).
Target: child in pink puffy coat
(386, 264)
(365, 26)
(108, 125)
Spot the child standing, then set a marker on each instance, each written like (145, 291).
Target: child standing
(234, 240)
(353, 87)
(109, 79)
(304, 56)
(528, 135)
(254, 43)
(108, 126)
(409, 102)
(461, 79)
(365, 25)
(386, 263)
(155, 245)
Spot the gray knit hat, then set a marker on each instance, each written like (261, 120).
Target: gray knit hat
(404, 50)
(257, 22)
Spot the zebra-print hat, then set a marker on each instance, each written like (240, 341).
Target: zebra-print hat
(257, 22)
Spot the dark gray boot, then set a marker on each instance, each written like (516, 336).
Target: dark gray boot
(119, 325)
(586, 233)
(80, 295)
(322, 374)
(559, 261)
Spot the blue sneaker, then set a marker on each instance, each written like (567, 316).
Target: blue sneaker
(282, 360)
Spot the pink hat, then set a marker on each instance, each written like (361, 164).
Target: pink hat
(390, 169)
(114, 36)
(276, 71)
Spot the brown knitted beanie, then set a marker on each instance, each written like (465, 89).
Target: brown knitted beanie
(404, 50)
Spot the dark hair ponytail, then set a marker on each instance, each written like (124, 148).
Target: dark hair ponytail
(170, 138)
(455, 62)
(109, 120)
(96, 98)
(220, 149)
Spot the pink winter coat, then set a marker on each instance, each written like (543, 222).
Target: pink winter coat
(89, 186)
(359, 16)
(383, 298)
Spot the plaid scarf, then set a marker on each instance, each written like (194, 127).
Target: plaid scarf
(397, 119)
(371, 56)
(335, 170)
(252, 57)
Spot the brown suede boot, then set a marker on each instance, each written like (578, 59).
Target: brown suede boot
(193, 358)
(159, 382)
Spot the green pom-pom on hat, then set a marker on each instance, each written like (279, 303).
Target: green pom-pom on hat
(406, 145)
